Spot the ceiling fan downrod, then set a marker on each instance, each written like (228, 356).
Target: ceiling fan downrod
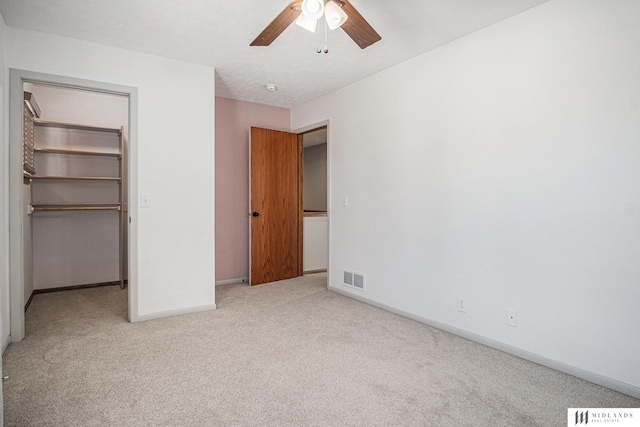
(326, 47)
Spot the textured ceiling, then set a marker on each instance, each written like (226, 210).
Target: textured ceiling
(217, 33)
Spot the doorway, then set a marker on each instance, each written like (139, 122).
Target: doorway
(315, 220)
(23, 277)
(277, 220)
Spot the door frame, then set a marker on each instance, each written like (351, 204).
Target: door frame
(300, 131)
(16, 202)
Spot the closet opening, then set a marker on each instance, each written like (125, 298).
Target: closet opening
(69, 172)
(74, 189)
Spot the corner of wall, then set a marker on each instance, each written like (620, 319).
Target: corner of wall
(4, 189)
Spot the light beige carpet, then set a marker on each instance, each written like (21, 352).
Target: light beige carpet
(282, 354)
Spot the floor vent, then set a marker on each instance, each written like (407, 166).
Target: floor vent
(354, 279)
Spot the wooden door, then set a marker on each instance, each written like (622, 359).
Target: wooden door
(276, 206)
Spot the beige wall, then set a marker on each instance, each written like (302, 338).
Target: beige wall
(233, 121)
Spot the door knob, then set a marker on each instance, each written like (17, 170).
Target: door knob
(255, 214)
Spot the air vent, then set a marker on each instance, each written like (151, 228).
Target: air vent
(358, 281)
(348, 278)
(354, 279)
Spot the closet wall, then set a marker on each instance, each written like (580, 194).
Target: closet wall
(75, 247)
(315, 177)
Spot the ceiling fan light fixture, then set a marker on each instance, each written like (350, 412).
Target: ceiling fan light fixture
(308, 24)
(313, 8)
(340, 13)
(334, 15)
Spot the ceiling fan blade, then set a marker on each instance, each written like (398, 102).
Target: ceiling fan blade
(357, 27)
(279, 24)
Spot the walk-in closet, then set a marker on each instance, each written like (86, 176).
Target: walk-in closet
(75, 189)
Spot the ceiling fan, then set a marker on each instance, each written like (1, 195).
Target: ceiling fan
(337, 13)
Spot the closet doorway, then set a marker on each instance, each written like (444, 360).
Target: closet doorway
(74, 146)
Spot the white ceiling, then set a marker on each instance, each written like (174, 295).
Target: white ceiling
(217, 33)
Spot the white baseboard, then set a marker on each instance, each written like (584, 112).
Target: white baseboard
(593, 377)
(231, 281)
(171, 313)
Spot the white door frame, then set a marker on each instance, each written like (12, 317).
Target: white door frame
(16, 202)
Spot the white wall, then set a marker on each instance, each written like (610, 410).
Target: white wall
(503, 168)
(315, 248)
(175, 270)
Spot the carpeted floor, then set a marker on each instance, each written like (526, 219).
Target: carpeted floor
(281, 354)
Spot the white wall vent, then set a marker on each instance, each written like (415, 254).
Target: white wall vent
(358, 281)
(351, 278)
(348, 278)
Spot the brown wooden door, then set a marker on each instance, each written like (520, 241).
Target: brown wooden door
(276, 206)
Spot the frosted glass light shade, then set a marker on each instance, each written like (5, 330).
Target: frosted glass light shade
(313, 8)
(308, 24)
(334, 15)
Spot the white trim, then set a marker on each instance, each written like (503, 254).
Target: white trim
(177, 312)
(593, 377)
(132, 207)
(16, 250)
(244, 280)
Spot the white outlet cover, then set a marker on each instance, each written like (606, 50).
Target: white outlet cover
(145, 201)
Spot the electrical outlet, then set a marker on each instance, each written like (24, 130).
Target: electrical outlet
(145, 200)
(512, 318)
(462, 305)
